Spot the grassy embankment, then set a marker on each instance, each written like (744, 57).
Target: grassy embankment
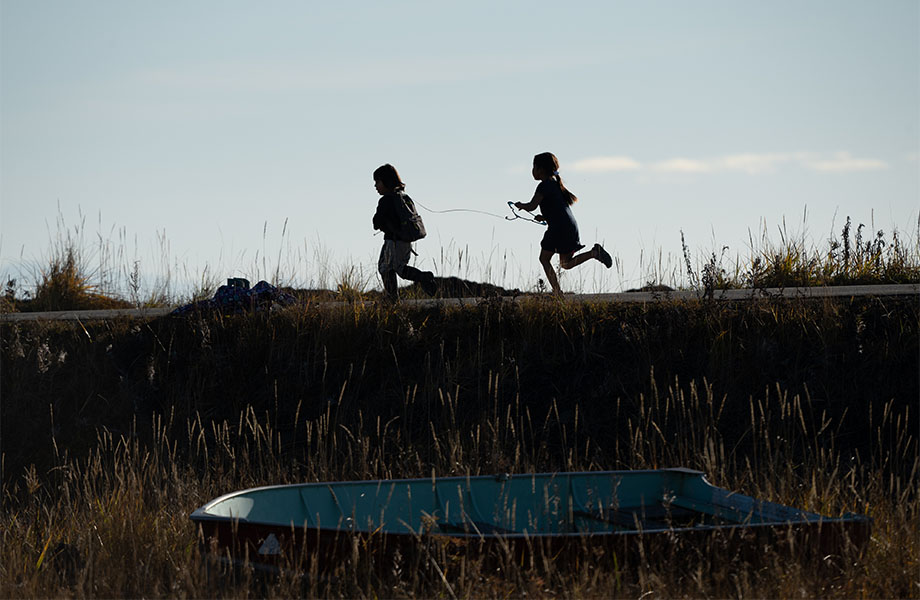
(112, 432)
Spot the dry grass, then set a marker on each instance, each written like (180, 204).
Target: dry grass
(116, 523)
(849, 259)
(78, 275)
(114, 432)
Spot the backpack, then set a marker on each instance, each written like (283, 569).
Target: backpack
(410, 227)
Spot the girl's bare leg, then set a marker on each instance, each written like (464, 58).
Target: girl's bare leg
(567, 261)
(546, 259)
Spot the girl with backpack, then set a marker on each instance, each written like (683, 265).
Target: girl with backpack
(561, 237)
(401, 225)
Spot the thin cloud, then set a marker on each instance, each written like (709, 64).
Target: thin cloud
(843, 162)
(600, 164)
(683, 165)
(749, 162)
(758, 163)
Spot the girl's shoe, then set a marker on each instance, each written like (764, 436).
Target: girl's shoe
(602, 255)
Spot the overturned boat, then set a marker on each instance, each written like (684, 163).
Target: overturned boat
(520, 512)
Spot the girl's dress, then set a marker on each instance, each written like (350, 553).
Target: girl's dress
(561, 235)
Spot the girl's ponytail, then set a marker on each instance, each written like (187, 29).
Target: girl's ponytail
(568, 196)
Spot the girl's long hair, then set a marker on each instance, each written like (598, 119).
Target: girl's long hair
(548, 162)
(387, 175)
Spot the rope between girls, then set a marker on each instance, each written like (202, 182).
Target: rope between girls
(515, 214)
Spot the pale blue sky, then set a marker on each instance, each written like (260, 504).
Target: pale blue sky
(209, 124)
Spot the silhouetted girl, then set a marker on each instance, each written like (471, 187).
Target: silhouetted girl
(561, 237)
(397, 218)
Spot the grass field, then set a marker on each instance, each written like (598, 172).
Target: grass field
(114, 431)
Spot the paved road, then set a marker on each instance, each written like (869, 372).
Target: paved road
(809, 292)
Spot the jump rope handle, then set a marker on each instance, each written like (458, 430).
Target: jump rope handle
(517, 216)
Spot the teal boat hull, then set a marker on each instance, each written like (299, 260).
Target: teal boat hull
(518, 511)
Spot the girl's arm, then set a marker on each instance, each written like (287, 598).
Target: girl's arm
(533, 204)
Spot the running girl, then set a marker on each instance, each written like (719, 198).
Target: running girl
(561, 237)
(396, 251)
